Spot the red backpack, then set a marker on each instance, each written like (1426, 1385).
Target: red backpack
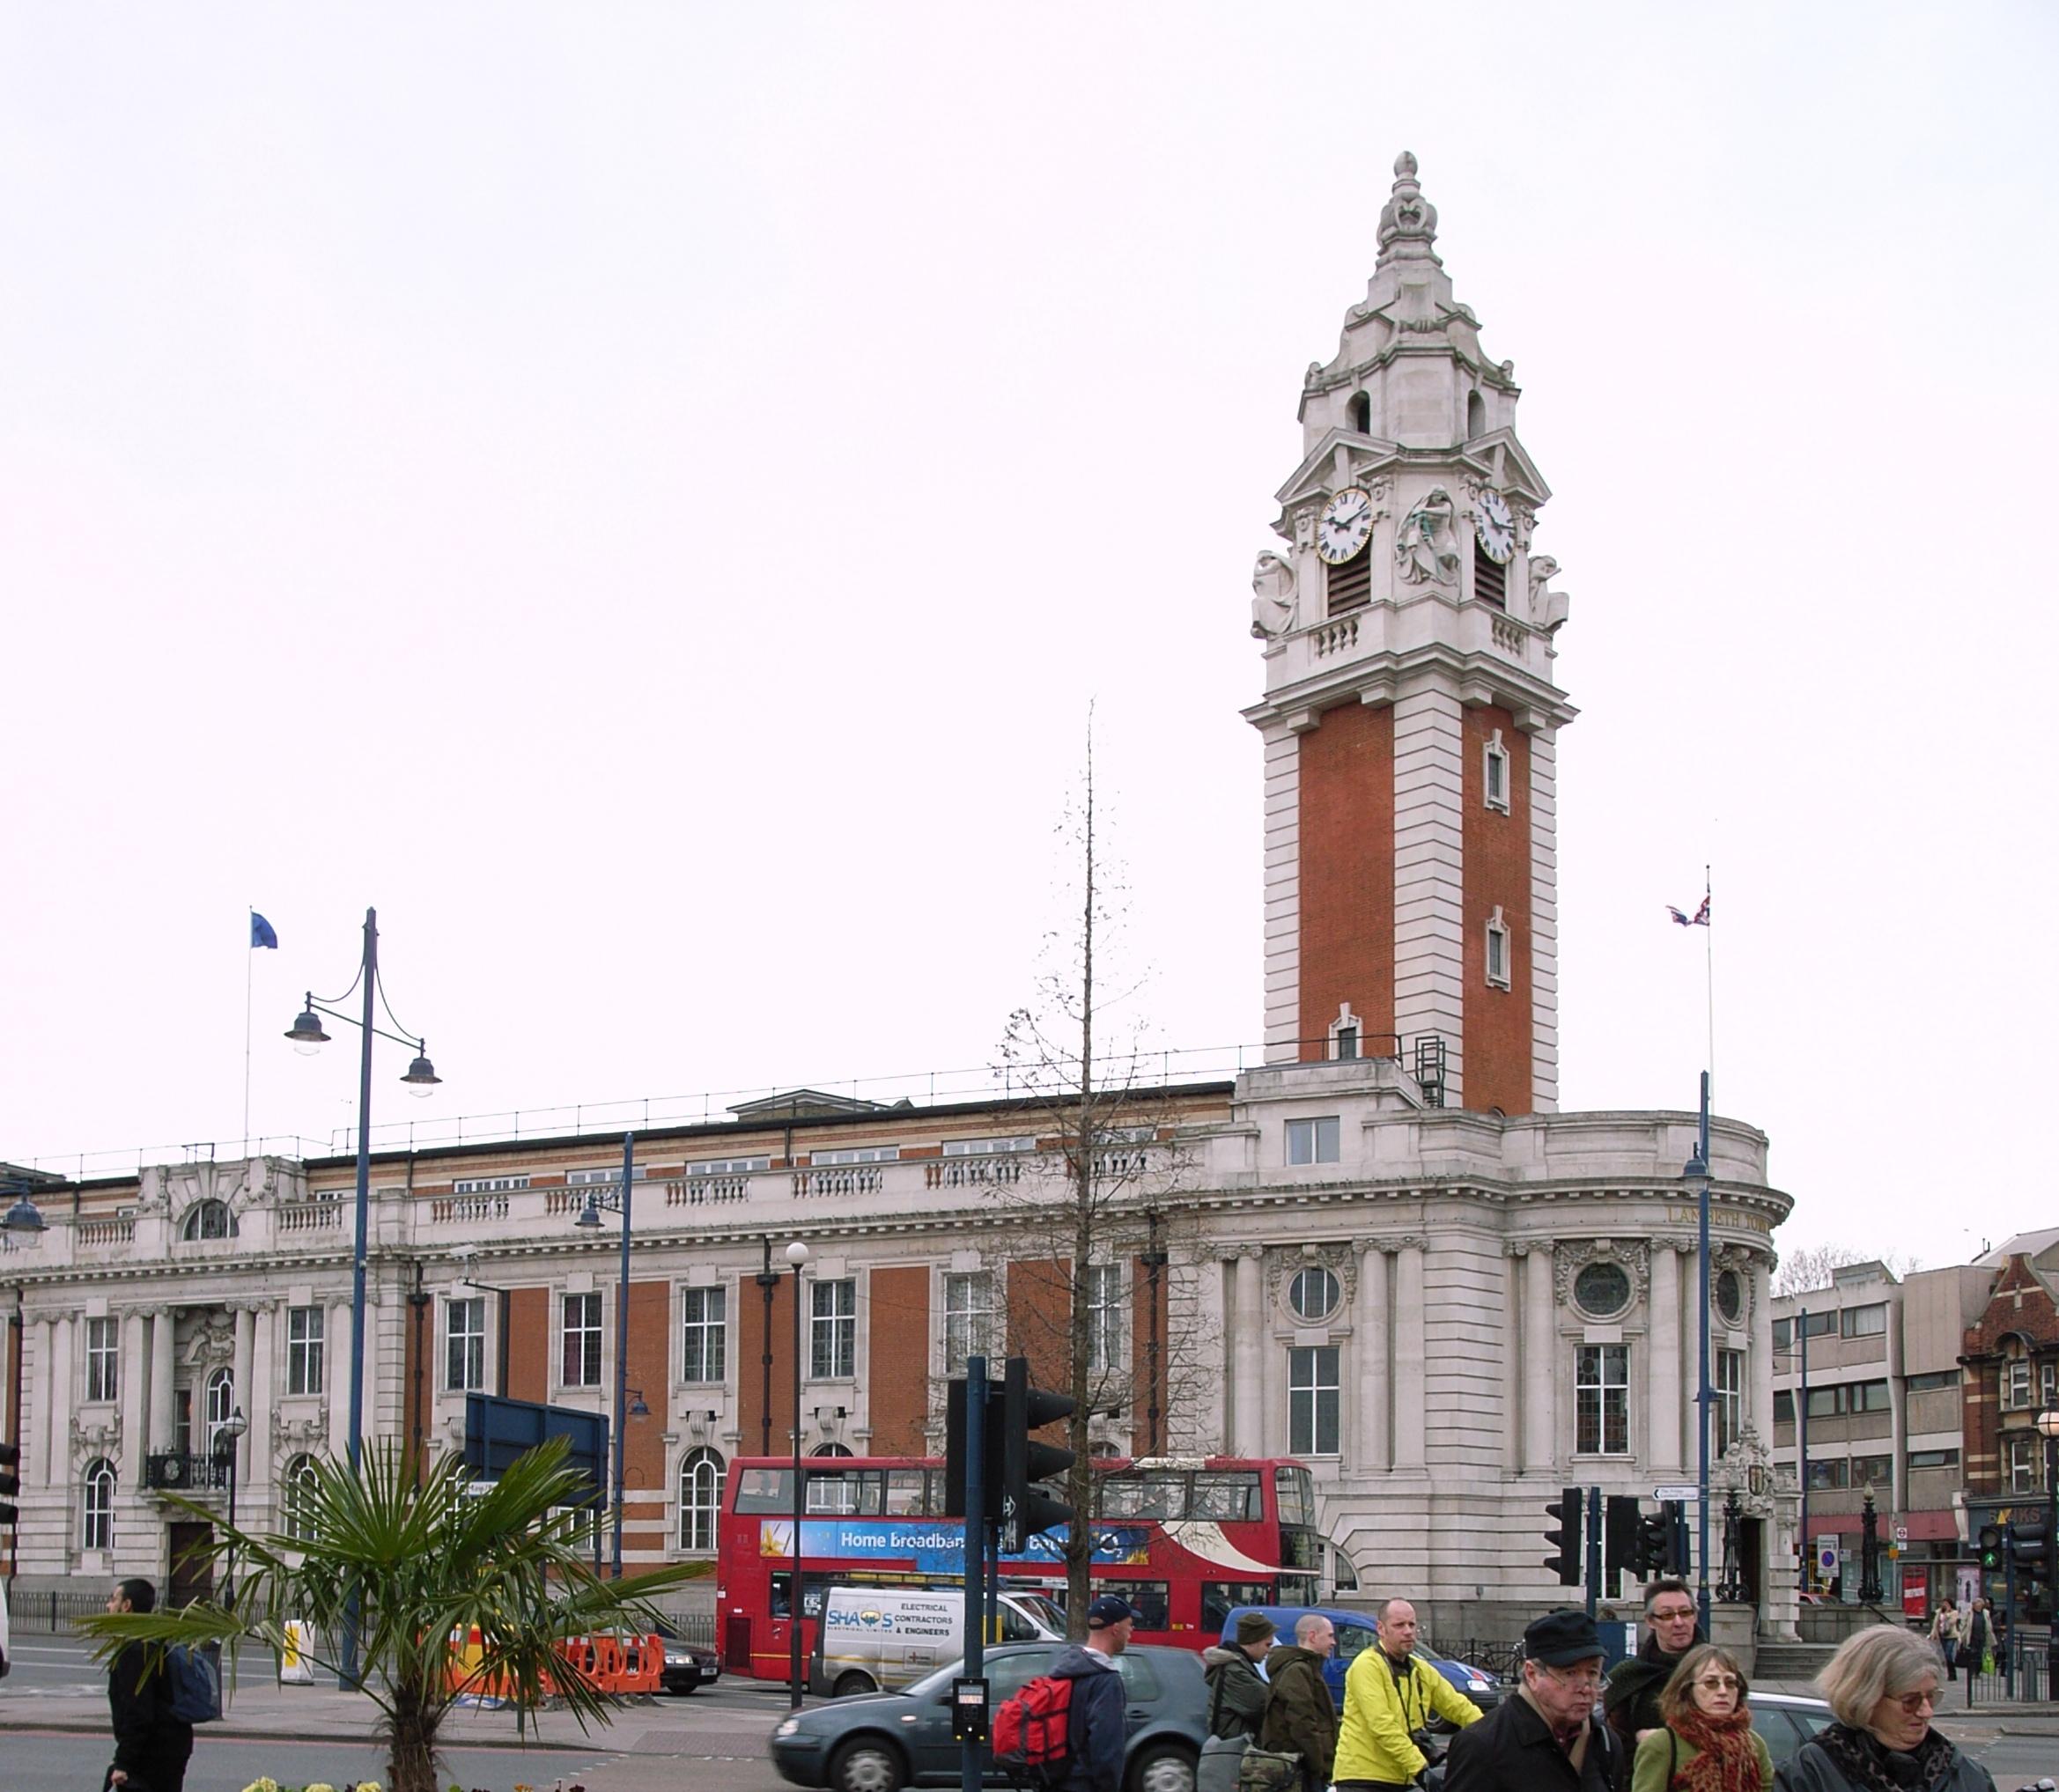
(1032, 1732)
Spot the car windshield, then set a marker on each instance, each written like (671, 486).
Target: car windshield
(1043, 1610)
(1013, 1666)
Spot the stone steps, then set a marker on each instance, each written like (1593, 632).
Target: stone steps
(1790, 1661)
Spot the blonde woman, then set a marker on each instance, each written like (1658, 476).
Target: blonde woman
(1707, 1742)
(1882, 1687)
(1947, 1630)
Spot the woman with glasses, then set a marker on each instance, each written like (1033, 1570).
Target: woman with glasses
(1882, 1688)
(1707, 1742)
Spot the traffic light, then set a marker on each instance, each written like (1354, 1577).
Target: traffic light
(1025, 1507)
(1621, 1533)
(10, 1480)
(1991, 1548)
(1565, 1541)
(1654, 1543)
(1678, 1557)
(2030, 1549)
(955, 1448)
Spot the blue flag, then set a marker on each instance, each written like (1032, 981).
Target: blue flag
(263, 932)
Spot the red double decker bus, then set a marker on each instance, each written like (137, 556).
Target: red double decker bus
(1184, 1541)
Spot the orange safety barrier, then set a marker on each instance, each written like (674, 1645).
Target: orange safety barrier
(618, 1666)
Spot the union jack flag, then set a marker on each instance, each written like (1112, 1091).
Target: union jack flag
(1699, 918)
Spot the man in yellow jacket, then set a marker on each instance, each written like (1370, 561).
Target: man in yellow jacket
(1388, 1693)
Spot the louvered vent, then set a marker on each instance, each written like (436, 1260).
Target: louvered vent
(1490, 582)
(1350, 586)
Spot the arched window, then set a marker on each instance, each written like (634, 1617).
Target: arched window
(1476, 416)
(210, 1220)
(700, 1500)
(299, 1513)
(219, 1403)
(97, 1525)
(1362, 413)
(828, 1449)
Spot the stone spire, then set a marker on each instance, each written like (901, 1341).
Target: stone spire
(1408, 222)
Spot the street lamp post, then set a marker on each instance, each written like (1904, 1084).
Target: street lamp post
(768, 1280)
(597, 1202)
(229, 1444)
(797, 1254)
(21, 1230)
(1153, 1261)
(2048, 1429)
(1697, 1180)
(421, 1079)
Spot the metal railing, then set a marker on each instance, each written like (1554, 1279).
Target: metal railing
(2022, 1673)
(52, 1613)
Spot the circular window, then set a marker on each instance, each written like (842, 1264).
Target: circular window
(1603, 1289)
(1315, 1295)
(1729, 1295)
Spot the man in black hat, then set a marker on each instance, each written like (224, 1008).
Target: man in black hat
(1097, 1722)
(1547, 1736)
(1237, 1689)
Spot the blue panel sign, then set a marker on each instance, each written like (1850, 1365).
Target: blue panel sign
(937, 1547)
(497, 1431)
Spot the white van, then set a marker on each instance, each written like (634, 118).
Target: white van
(881, 1639)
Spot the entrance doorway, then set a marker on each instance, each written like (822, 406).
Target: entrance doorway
(193, 1569)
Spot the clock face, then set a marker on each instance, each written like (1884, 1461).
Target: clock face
(1496, 528)
(1346, 526)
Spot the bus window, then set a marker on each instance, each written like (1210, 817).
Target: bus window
(833, 1490)
(1297, 1495)
(1229, 1497)
(812, 1590)
(904, 1492)
(1220, 1598)
(1151, 1599)
(766, 1490)
(1154, 1494)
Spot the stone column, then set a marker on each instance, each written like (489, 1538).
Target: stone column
(239, 1366)
(1662, 1373)
(48, 1401)
(1541, 1362)
(1759, 1398)
(134, 1397)
(1370, 1331)
(1409, 1364)
(262, 1402)
(1249, 1403)
(164, 1419)
(339, 1383)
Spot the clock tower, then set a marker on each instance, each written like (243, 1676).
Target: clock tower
(1410, 714)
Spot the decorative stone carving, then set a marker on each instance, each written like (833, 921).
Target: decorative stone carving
(1272, 596)
(1426, 546)
(1516, 1247)
(1548, 608)
(213, 1341)
(1282, 1267)
(303, 1434)
(1739, 1260)
(1571, 1255)
(1408, 222)
(1747, 1470)
(99, 1436)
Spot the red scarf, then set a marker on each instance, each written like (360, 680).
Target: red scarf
(1727, 1761)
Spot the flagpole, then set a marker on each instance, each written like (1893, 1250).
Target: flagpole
(1709, 933)
(249, 953)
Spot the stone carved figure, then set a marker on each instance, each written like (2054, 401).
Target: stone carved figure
(1272, 596)
(1547, 607)
(1426, 546)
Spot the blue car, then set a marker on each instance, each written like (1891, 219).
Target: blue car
(1355, 1634)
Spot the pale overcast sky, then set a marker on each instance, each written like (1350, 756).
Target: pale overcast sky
(645, 495)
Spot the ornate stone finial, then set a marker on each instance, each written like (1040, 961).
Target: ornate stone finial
(1408, 222)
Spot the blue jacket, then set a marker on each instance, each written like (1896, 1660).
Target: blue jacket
(1098, 1725)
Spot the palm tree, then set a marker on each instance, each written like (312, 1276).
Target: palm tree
(408, 1560)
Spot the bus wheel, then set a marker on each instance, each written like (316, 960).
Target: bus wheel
(854, 1682)
(1163, 1769)
(868, 1766)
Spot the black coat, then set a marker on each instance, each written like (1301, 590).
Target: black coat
(1512, 1749)
(151, 1746)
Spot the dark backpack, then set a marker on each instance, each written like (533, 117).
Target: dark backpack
(195, 1679)
(1032, 1732)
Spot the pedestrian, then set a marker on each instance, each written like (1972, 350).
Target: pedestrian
(151, 1746)
(1882, 1688)
(1236, 1691)
(1978, 1640)
(1300, 1713)
(1390, 1698)
(1545, 1736)
(1705, 1718)
(1097, 1723)
(1635, 1682)
(1945, 1630)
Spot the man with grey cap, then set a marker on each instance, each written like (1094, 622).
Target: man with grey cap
(1097, 1722)
(1546, 1736)
(1237, 1689)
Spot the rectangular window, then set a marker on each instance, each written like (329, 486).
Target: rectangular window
(1871, 1397)
(1827, 1472)
(604, 1178)
(1933, 1459)
(1931, 1379)
(1824, 1402)
(582, 1341)
(2023, 1465)
(304, 1343)
(1730, 1398)
(968, 1316)
(703, 1355)
(986, 1147)
(1873, 1471)
(1313, 1141)
(729, 1166)
(832, 1353)
(1103, 1291)
(1602, 1417)
(489, 1185)
(1313, 1400)
(1496, 778)
(2016, 1383)
(1783, 1334)
(864, 1154)
(1497, 951)
(2047, 1384)
(1818, 1324)
(102, 1355)
(1784, 1407)
(464, 1331)
(1863, 1322)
